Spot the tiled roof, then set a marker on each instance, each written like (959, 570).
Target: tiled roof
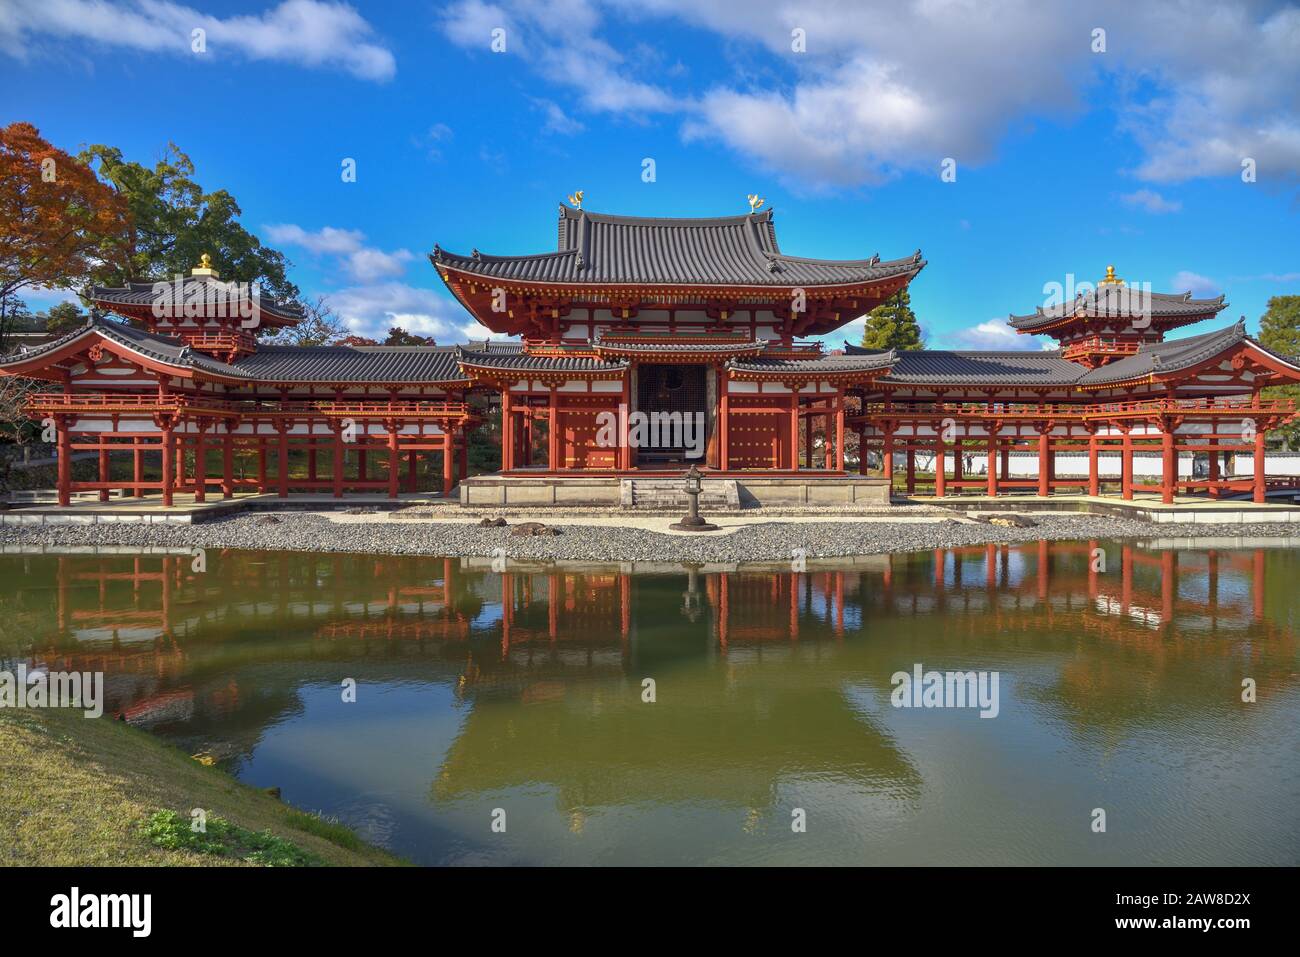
(521, 362)
(678, 345)
(379, 364)
(940, 367)
(1119, 302)
(141, 294)
(776, 366)
(1165, 357)
(731, 250)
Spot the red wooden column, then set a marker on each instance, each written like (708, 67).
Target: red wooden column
(839, 433)
(137, 467)
(261, 465)
(623, 457)
(282, 460)
(336, 466)
(992, 475)
(1094, 464)
(1044, 460)
(886, 455)
(1213, 441)
(957, 464)
(391, 428)
(448, 461)
(940, 468)
(808, 437)
(724, 412)
(200, 469)
(911, 465)
(64, 441)
(227, 463)
(507, 432)
(553, 433)
(794, 427)
(168, 464)
(1260, 483)
(103, 466)
(1168, 465)
(1126, 464)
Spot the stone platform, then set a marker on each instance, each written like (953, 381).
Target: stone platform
(88, 510)
(611, 491)
(1148, 508)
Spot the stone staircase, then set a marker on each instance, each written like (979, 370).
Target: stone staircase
(671, 494)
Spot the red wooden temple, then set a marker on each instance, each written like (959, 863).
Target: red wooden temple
(683, 319)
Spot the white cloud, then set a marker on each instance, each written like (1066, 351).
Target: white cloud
(557, 121)
(891, 86)
(311, 33)
(1151, 201)
(370, 310)
(1198, 285)
(363, 263)
(996, 334)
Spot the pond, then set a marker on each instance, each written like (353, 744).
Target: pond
(671, 715)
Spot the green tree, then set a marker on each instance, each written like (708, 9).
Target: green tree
(320, 326)
(893, 325)
(63, 318)
(173, 222)
(397, 336)
(1279, 330)
(14, 317)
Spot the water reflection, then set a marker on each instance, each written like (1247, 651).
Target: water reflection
(524, 688)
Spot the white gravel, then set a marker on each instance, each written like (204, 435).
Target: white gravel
(766, 542)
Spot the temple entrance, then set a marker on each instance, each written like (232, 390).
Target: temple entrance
(672, 412)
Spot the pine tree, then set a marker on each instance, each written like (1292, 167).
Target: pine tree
(1279, 330)
(893, 325)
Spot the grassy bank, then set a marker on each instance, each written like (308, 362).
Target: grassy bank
(76, 791)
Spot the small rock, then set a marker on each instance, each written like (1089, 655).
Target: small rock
(533, 528)
(1013, 521)
(493, 523)
(268, 520)
(274, 792)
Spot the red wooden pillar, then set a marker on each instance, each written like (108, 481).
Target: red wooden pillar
(794, 429)
(911, 465)
(507, 432)
(724, 412)
(1044, 460)
(623, 458)
(103, 467)
(168, 466)
(1260, 483)
(412, 479)
(1094, 465)
(886, 455)
(137, 467)
(391, 427)
(808, 437)
(1214, 463)
(1126, 465)
(448, 462)
(282, 460)
(227, 463)
(311, 455)
(336, 466)
(992, 476)
(940, 468)
(553, 432)
(261, 465)
(1006, 462)
(1168, 465)
(64, 441)
(839, 433)
(956, 460)
(200, 467)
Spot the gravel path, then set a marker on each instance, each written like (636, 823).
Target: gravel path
(767, 542)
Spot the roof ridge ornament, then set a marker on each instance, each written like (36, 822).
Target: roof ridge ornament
(576, 199)
(755, 202)
(1110, 279)
(204, 268)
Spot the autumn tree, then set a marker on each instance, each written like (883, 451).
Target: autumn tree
(320, 326)
(59, 225)
(397, 336)
(893, 325)
(1279, 330)
(174, 221)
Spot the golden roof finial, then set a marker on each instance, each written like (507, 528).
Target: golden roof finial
(1111, 279)
(204, 268)
(755, 201)
(576, 199)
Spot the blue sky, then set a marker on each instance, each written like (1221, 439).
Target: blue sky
(1068, 157)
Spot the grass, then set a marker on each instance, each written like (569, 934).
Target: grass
(76, 791)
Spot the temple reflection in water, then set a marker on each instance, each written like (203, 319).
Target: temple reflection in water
(765, 676)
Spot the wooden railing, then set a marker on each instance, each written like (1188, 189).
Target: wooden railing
(1100, 345)
(127, 402)
(229, 342)
(1052, 410)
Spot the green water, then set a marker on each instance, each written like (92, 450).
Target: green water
(521, 692)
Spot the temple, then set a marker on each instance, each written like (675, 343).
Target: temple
(639, 346)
